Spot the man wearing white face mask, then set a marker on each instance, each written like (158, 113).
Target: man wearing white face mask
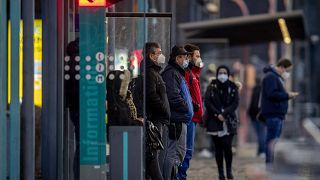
(157, 105)
(274, 103)
(180, 101)
(193, 81)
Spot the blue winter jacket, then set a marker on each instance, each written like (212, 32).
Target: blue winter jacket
(178, 94)
(274, 99)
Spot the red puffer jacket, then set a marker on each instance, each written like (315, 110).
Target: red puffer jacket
(193, 81)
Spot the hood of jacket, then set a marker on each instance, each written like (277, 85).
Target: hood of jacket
(271, 69)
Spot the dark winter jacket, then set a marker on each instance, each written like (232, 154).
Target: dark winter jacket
(274, 100)
(121, 111)
(178, 93)
(221, 96)
(254, 107)
(193, 80)
(157, 105)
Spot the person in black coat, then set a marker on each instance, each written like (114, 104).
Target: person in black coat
(253, 111)
(71, 96)
(157, 105)
(221, 102)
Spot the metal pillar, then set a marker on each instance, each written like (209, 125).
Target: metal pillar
(3, 87)
(173, 21)
(51, 113)
(60, 82)
(27, 109)
(15, 14)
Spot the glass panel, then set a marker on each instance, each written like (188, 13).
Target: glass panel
(126, 37)
(125, 40)
(158, 30)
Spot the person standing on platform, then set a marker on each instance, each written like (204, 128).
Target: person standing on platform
(274, 103)
(259, 127)
(157, 105)
(193, 81)
(181, 112)
(221, 101)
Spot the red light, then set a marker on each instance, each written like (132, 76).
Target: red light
(92, 3)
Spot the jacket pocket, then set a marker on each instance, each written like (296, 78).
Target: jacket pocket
(175, 130)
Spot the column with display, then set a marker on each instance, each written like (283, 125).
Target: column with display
(92, 89)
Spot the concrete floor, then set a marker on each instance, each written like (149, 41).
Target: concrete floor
(245, 166)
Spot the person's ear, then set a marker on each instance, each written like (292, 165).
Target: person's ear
(151, 56)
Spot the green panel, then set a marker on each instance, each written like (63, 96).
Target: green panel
(3, 87)
(15, 9)
(92, 86)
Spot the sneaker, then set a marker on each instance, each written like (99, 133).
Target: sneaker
(262, 156)
(205, 153)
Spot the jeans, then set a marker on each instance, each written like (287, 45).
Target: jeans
(182, 171)
(173, 154)
(260, 129)
(274, 128)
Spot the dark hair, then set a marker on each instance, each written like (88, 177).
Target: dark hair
(150, 47)
(284, 63)
(191, 48)
(222, 67)
(73, 48)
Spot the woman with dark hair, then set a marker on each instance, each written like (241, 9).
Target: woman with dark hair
(221, 101)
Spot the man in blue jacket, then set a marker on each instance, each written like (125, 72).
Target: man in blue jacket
(181, 108)
(274, 103)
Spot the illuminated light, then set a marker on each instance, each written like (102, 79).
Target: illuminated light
(92, 3)
(287, 40)
(37, 62)
(284, 30)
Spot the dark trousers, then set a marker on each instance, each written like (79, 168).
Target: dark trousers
(75, 118)
(223, 150)
(152, 162)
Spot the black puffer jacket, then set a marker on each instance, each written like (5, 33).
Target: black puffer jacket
(157, 105)
(221, 96)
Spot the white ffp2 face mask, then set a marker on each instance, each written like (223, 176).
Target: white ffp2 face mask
(199, 63)
(222, 78)
(161, 59)
(286, 75)
(185, 64)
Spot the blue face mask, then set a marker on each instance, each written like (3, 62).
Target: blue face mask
(185, 64)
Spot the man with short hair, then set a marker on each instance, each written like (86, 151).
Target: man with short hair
(192, 78)
(274, 103)
(157, 105)
(181, 112)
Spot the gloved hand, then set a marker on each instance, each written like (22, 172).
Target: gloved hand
(175, 130)
(196, 107)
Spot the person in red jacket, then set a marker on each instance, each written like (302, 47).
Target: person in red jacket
(193, 81)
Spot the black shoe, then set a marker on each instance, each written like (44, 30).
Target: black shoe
(221, 174)
(229, 175)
